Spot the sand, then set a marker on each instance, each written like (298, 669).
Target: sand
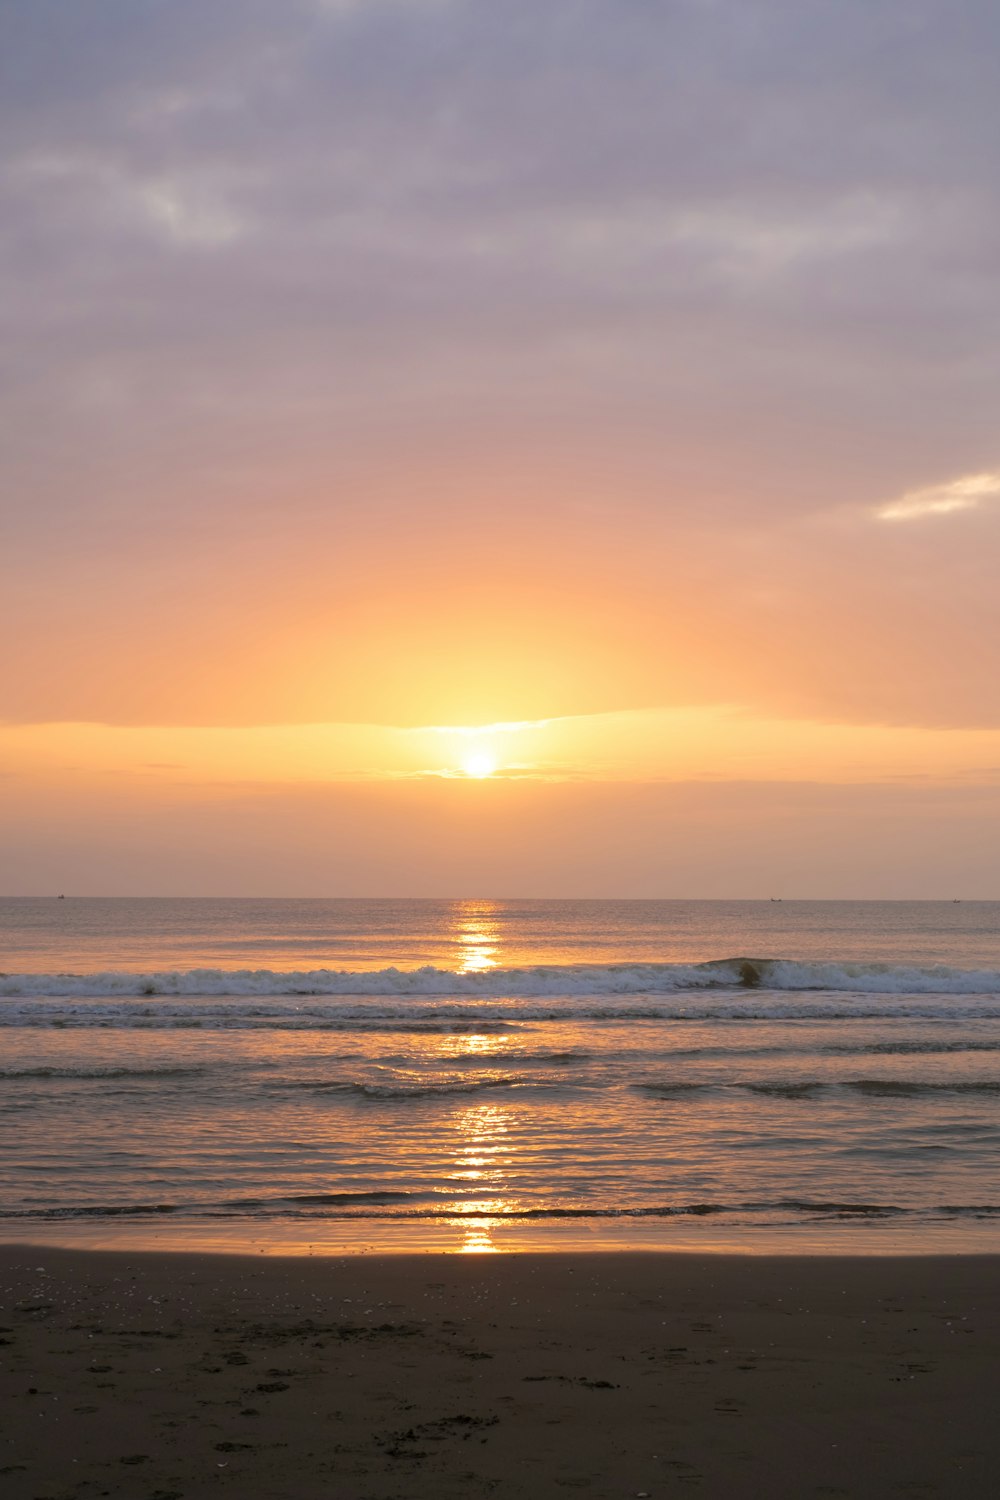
(176, 1376)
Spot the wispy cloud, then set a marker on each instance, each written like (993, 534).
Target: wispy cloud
(966, 493)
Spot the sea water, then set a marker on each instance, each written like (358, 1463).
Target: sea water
(491, 1074)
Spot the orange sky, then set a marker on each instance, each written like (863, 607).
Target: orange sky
(374, 370)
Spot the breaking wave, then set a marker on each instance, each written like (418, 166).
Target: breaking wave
(502, 1000)
(775, 974)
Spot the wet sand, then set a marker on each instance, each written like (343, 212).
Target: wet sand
(153, 1376)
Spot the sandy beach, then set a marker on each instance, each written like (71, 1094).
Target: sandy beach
(176, 1376)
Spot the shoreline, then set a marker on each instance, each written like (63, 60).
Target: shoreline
(371, 1377)
(832, 1234)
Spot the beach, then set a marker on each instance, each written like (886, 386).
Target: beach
(151, 1375)
(498, 1199)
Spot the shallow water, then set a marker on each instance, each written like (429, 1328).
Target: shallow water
(493, 1074)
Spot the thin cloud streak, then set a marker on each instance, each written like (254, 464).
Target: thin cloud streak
(967, 493)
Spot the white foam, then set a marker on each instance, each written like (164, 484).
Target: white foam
(771, 975)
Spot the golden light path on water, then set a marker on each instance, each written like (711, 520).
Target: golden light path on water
(477, 934)
(483, 1129)
(481, 1158)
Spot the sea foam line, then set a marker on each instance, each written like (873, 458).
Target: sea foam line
(774, 974)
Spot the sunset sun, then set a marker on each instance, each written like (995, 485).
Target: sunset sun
(479, 764)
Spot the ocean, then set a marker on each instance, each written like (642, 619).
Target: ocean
(480, 1075)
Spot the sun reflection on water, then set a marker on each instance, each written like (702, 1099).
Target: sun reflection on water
(481, 1159)
(477, 1238)
(477, 933)
(477, 1044)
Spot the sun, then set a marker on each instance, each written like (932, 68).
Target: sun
(479, 763)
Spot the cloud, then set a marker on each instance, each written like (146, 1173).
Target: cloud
(309, 307)
(967, 493)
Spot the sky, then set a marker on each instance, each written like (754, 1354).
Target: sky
(472, 449)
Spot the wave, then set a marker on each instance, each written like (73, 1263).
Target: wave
(390, 1205)
(804, 1090)
(341, 1200)
(390, 1091)
(522, 1057)
(877, 1088)
(680, 1089)
(889, 1088)
(500, 1017)
(530, 982)
(101, 1072)
(910, 1048)
(810, 1088)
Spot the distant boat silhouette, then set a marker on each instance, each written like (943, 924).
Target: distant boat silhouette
(60, 898)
